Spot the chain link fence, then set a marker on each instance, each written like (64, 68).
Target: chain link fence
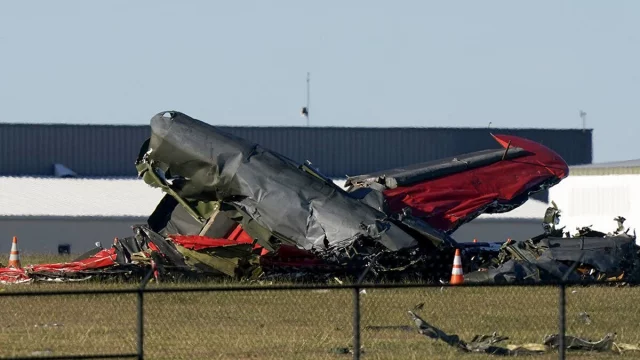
(309, 322)
(67, 325)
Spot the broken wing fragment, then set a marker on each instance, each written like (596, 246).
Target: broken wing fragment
(448, 193)
(577, 343)
(479, 343)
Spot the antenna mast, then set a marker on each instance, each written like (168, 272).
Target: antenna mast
(305, 109)
(583, 115)
(308, 95)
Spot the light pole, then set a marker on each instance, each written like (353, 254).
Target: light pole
(305, 110)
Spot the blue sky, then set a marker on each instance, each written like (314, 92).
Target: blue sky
(372, 63)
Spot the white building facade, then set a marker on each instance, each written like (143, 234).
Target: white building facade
(596, 194)
(45, 213)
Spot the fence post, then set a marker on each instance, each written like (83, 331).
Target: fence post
(140, 324)
(561, 321)
(143, 284)
(356, 323)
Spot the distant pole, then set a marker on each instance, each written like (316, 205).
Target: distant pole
(583, 115)
(308, 95)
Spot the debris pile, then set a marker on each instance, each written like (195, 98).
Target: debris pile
(479, 343)
(487, 344)
(587, 256)
(235, 209)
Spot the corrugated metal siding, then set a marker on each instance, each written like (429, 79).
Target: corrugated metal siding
(88, 150)
(92, 150)
(352, 151)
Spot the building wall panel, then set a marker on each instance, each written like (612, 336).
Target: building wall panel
(42, 235)
(597, 200)
(101, 150)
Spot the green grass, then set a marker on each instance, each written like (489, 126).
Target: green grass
(302, 324)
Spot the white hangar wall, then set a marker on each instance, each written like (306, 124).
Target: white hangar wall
(43, 234)
(596, 200)
(47, 212)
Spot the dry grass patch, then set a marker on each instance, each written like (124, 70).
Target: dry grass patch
(301, 324)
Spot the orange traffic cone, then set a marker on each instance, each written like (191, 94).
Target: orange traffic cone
(14, 257)
(456, 273)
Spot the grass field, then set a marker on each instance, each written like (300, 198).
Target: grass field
(302, 324)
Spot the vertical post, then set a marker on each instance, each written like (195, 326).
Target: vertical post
(143, 284)
(561, 321)
(308, 96)
(356, 323)
(140, 324)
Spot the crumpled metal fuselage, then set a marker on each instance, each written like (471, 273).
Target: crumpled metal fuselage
(292, 205)
(216, 182)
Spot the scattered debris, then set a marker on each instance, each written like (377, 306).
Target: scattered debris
(48, 325)
(486, 343)
(419, 306)
(576, 343)
(554, 255)
(626, 347)
(41, 353)
(345, 350)
(585, 318)
(479, 343)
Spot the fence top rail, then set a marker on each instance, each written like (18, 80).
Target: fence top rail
(293, 287)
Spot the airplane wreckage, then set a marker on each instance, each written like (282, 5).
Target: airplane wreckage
(235, 209)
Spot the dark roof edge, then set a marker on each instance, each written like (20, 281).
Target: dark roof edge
(307, 127)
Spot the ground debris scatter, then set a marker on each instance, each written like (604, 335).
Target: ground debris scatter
(487, 343)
